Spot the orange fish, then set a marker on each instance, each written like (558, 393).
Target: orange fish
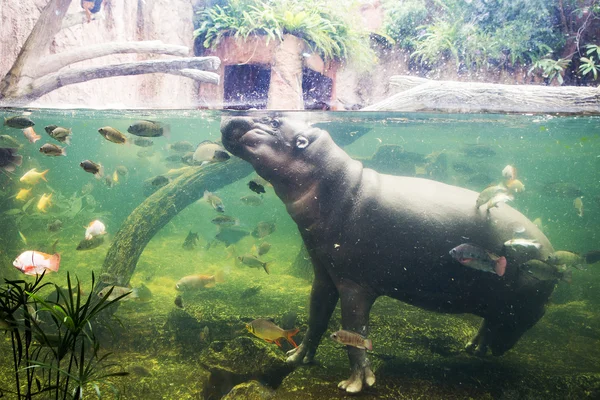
(352, 339)
(36, 262)
(44, 202)
(31, 135)
(267, 330)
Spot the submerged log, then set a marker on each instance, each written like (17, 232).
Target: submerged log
(450, 96)
(158, 209)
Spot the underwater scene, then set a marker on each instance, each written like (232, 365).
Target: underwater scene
(140, 259)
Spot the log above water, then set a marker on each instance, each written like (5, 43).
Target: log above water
(158, 209)
(450, 96)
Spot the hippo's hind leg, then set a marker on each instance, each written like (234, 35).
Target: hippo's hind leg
(323, 298)
(479, 344)
(356, 305)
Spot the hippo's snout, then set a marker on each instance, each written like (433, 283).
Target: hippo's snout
(232, 128)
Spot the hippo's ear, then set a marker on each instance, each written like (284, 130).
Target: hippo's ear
(302, 142)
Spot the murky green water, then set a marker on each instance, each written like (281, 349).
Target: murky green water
(557, 159)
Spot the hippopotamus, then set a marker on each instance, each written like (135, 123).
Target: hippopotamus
(370, 234)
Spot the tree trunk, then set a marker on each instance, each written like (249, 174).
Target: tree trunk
(158, 209)
(285, 88)
(449, 96)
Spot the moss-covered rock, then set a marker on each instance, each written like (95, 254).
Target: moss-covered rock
(252, 390)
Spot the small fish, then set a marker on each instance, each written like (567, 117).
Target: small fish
(31, 135)
(18, 122)
(578, 204)
(159, 181)
(250, 292)
(115, 177)
(50, 128)
(267, 330)
(214, 201)
(204, 334)
(231, 234)
(118, 291)
(173, 158)
(182, 147)
(32, 177)
(488, 193)
(36, 262)
(251, 200)
(54, 226)
(263, 248)
(90, 244)
(122, 170)
(9, 159)
(224, 220)
(208, 152)
(44, 202)
(191, 241)
(61, 134)
(253, 262)
(568, 258)
(515, 186)
(179, 301)
(509, 173)
(92, 168)
(95, 228)
(143, 142)
(545, 272)
(50, 149)
(478, 258)
(498, 199)
(108, 181)
(256, 187)
(112, 135)
(263, 229)
(23, 194)
(187, 158)
(9, 141)
(146, 128)
(353, 339)
(194, 282)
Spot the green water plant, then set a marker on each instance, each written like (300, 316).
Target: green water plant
(55, 345)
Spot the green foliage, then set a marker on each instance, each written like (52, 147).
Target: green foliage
(551, 69)
(403, 22)
(327, 30)
(589, 64)
(53, 340)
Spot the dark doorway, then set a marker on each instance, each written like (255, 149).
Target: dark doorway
(246, 86)
(316, 90)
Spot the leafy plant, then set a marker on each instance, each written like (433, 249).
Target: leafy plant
(551, 68)
(588, 64)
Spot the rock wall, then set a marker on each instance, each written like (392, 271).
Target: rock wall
(120, 20)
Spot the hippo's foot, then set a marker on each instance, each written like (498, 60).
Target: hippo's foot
(300, 355)
(478, 346)
(354, 384)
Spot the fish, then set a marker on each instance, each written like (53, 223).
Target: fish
(50, 128)
(231, 234)
(90, 244)
(214, 201)
(253, 262)
(562, 257)
(264, 248)
(50, 149)
(478, 258)
(143, 142)
(44, 202)
(18, 122)
(118, 291)
(59, 133)
(256, 187)
(509, 173)
(224, 220)
(32, 177)
(33, 262)
(488, 193)
(195, 282)
(498, 199)
(191, 241)
(31, 135)
(182, 147)
(115, 177)
(9, 141)
(251, 200)
(9, 159)
(545, 272)
(250, 292)
(267, 330)
(187, 158)
(145, 153)
(179, 301)
(515, 186)
(520, 243)
(204, 334)
(208, 152)
(146, 128)
(263, 229)
(92, 168)
(54, 226)
(108, 181)
(173, 158)
(122, 170)
(353, 339)
(159, 181)
(578, 204)
(463, 167)
(23, 194)
(112, 135)
(95, 228)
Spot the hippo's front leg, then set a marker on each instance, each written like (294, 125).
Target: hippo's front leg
(323, 299)
(356, 305)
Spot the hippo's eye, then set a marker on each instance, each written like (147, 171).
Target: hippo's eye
(275, 123)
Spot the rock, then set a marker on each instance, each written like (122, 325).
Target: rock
(252, 390)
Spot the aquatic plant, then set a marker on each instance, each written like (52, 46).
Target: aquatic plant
(65, 357)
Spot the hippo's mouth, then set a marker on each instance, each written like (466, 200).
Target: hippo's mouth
(235, 129)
